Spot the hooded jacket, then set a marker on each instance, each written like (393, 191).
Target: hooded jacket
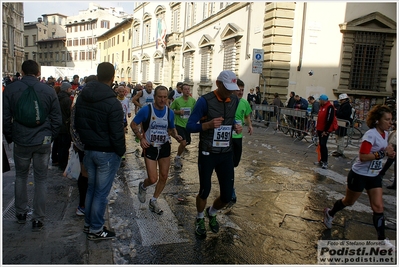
(99, 119)
(20, 134)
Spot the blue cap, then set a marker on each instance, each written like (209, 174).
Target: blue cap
(323, 97)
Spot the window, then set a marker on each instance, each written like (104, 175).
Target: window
(105, 24)
(123, 56)
(147, 31)
(230, 53)
(75, 42)
(26, 56)
(34, 39)
(26, 40)
(69, 42)
(44, 31)
(51, 55)
(175, 19)
(45, 55)
(136, 36)
(82, 41)
(128, 55)
(70, 56)
(57, 56)
(205, 64)
(368, 57)
(40, 56)
(117, 39)
(75, 55)
(63, 56)
(188, 66)
(145, 68)
(135, 71)
(82, 55)
(158, 70)
(130, 34)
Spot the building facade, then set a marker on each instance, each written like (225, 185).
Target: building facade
(13, 28)
(311, 48)
(82, 32)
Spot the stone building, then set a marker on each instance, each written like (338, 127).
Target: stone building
(13, 28)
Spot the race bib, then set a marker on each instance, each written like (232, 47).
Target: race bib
(158, 137)
(221, 136)
(186, 113)
(375, 167)
(149, 100)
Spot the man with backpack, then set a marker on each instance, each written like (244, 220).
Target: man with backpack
(32, 137)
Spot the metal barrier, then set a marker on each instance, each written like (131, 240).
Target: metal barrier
(268, 113)
(299, 125)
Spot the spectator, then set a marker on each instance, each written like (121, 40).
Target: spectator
(75, 82)
(324, 127)
(315, 106)
(64, 138)
(300, 103)
(291, 101)
(344, 112)
(258, 100)
(251, 98)
(99, 123)
(31, 144)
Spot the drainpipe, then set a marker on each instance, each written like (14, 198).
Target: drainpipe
(247, 54)
(302, 36)
(184, 32)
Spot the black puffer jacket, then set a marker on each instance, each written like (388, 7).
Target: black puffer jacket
(99, 119)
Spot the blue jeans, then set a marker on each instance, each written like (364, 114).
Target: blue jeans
(101, 168)
(23, 155)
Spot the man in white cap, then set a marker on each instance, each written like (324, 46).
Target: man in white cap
(215, 112)
(344, 112)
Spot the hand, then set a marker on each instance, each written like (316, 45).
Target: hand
(390, 152)
(129, 115)
(216, 122)
(144, 143)
(178, 138)
(238, 128)
(250, 129)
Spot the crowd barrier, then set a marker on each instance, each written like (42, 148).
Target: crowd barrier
(296, 122)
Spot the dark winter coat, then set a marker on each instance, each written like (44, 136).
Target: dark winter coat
(344, 112)
(65, 105)
(99, 119)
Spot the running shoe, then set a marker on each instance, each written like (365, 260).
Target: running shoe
(324, 165)
(327, 218)
(21, 218)
(178, 163)
(37, 226)
(142, 192)
(101, 235)
(213, 223)
(80, 211)
(388, 245)
(154, 207)
(200, 229)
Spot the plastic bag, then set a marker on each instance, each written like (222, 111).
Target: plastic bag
(72, 170)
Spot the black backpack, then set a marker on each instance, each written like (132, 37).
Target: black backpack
(29, 110)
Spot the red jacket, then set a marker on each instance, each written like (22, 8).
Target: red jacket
(325, 118)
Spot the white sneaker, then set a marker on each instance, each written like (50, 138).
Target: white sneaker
(178, 163)
(327, 218)
(388, 245)
(154, 207)
(324, 165)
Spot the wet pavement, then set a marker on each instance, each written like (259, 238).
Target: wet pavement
(277, 219)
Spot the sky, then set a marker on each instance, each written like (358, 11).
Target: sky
(34, 9)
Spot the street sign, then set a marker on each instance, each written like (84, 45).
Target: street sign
(257, 60)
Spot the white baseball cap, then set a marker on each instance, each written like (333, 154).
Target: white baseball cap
(229, 80)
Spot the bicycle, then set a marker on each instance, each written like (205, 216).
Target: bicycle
(354, 132)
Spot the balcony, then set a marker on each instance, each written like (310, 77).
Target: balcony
(173, 39)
